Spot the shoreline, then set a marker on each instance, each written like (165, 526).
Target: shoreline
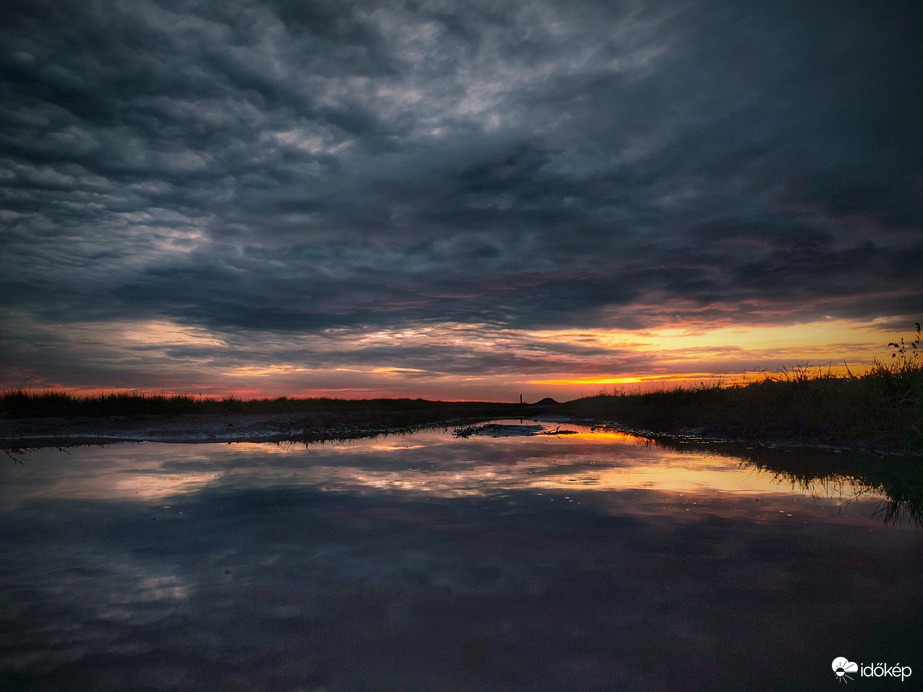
(20, 434)
(68, 431)
(34, 433)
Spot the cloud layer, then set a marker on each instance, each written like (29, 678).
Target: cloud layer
(280, 170)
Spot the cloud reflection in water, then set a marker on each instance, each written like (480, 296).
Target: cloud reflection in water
(586, 561)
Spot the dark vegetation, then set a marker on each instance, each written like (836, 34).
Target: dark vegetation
(882, 408)
(26, 404)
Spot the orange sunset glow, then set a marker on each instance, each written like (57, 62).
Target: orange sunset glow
(498, 364)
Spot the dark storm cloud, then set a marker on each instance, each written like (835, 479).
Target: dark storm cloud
(297, 166)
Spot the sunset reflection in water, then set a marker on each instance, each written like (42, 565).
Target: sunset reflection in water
(427, 463)
(591, 560)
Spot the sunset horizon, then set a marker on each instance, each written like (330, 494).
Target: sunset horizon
(642, 361)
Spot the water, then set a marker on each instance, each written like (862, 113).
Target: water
(589, 561)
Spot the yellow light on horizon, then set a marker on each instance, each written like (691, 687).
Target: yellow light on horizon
(640, 379)
(589, 380)
(819, 335)
(264, 370)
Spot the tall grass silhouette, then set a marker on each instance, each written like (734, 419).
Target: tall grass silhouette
(882, 406)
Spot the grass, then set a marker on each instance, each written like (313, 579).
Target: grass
(26, 404)
(323, 418)
(882, 407)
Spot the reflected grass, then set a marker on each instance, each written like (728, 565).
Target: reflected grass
(899, 479)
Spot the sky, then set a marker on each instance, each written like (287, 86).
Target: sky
(454, 200)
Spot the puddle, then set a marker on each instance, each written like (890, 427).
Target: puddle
(590, 560)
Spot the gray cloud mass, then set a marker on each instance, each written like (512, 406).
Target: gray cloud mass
(284, 167)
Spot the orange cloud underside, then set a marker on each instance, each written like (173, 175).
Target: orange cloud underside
(465, 361)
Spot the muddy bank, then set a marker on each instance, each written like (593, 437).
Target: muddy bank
(68, 431)
(23, 433)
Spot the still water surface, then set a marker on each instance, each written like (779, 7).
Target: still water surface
(587, 561)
